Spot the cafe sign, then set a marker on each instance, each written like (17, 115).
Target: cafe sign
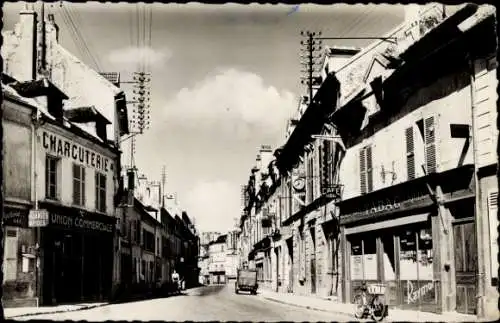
(38, 218)
(63, 147)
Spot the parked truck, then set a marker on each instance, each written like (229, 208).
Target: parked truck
(246, 280)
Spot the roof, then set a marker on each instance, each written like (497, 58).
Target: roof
(79, 80)
(36, 88)
(85, 114)
(113, 77)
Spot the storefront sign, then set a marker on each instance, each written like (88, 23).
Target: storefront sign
(388, 205)
(38, 218)
(64, 148)
(15, 218)
(415, 295)
(81, 223)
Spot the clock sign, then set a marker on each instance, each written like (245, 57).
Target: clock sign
(299, 184)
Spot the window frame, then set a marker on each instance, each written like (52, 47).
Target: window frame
(81, 181)
(56, 160)
(100, 201)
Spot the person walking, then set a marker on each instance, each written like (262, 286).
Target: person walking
(176, 280)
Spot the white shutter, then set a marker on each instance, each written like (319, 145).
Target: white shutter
(493, 221)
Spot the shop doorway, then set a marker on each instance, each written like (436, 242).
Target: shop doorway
(464, 235)
(67, 268)
(289, 244)
(313, 261)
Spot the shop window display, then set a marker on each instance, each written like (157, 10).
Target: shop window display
(363, 259)
(416, 269)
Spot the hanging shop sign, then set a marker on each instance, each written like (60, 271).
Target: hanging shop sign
(15, 218)
(63, 147)
(38, 218)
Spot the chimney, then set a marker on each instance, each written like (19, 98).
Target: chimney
(52, 29)
(27, 50)
(266, 155)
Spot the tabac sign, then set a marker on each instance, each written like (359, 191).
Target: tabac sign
(63, 147)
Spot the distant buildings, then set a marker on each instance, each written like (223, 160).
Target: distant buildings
(219, 257)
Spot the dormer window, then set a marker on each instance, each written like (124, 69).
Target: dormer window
(88, 115)
(43, 87)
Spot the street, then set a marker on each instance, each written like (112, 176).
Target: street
(211, 303)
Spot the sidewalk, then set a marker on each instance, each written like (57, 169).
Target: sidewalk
(28, 311)
(326, 305)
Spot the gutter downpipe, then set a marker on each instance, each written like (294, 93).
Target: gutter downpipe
(37, 122)
(477, 202)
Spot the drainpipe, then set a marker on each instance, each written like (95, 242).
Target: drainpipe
(37, 122)
(478, 220)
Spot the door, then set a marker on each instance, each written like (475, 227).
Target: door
(465, 266)
(313, 261)
(313, 275)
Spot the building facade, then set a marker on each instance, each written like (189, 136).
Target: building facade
(387, 174)
(217, 261)
(74, 161)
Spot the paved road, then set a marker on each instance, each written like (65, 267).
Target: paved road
(212, 303)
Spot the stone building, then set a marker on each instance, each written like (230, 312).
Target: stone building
(76, 161)
(383, 126)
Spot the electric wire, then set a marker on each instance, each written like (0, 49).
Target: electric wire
(79, 26)
(77, 36)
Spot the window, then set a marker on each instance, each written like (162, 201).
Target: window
(310, 177)
(416, 254)
(51, 177)
(78, 185)
(100, 192)
(366, 170)
(363, 258)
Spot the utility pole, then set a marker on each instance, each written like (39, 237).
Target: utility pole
(141, 115)
(311, 47)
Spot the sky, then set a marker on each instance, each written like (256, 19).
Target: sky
(224, 80)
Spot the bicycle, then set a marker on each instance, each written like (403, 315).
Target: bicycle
(375, 307)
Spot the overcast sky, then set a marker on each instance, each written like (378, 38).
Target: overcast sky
(224, 81)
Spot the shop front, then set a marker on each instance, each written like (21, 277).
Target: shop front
(401, 238)
(76, 255)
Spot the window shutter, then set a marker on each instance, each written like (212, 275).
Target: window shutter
(97, 185)
(362, 170)
(430, 145)
(369, 169)
(83, 186)
(410, 153)
(493, 221)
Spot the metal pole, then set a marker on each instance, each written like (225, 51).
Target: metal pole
(478, 219)
(310, 50)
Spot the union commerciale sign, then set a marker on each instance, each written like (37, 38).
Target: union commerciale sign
(42, 218)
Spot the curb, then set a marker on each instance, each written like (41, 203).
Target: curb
(59, 311)
(308, 307)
